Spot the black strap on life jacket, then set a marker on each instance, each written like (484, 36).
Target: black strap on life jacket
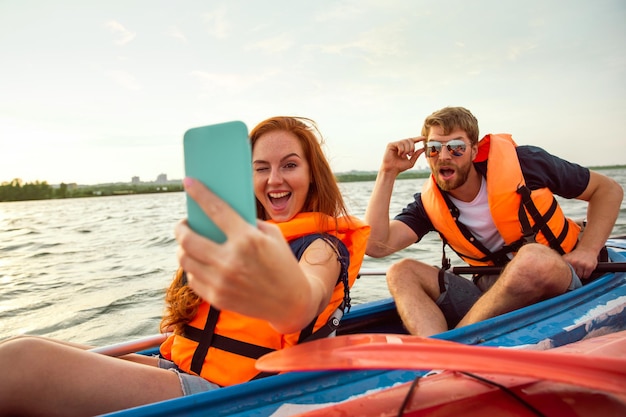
(204, 341)
(529, 233)
(307, 334)
(541, 221)
(248, 350)
(207, 337)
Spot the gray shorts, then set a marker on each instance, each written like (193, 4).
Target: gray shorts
(190, 384)
(461, 293)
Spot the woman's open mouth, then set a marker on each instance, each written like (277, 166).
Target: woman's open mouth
(279, 200)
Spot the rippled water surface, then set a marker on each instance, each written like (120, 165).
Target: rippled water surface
(95, 270)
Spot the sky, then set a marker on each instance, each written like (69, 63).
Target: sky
(98, 92)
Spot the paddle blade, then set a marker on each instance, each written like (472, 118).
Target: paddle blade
(125, 348)
(385, 351)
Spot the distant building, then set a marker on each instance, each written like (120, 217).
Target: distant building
(161, 179)
(135, 180)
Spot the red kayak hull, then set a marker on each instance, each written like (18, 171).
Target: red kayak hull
(451, 393)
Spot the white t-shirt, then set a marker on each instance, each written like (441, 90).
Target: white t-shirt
(472, 215)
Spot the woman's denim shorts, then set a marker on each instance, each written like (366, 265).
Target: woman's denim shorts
(191, 384)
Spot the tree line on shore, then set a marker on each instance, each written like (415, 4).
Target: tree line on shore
(16, 190)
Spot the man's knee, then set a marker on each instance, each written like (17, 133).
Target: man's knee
(540, 267)
(540, 258)
(409, 273)
(403, 269)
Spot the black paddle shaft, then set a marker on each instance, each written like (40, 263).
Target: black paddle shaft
(487, 270)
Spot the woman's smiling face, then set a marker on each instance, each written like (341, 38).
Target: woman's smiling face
(281, 174)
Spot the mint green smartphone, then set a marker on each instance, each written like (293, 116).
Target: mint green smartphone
(220, 157)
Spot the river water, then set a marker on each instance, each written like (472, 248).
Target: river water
(94, 270)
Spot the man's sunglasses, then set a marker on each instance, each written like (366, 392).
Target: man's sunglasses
(456, 147)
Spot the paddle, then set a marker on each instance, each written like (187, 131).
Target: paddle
(133, 346)
(395, 351)
(601, 267)
(461, 270)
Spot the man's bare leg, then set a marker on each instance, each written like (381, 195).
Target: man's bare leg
(415, 289)
(534, 274)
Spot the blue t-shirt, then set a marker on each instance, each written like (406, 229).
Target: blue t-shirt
(540, 170)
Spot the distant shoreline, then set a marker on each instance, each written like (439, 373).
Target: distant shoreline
(16, 191)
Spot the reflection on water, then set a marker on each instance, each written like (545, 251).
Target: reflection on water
(94, 270)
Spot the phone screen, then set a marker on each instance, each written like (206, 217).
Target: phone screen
(220, 157)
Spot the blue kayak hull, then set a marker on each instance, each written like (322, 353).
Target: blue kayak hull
(597, 308)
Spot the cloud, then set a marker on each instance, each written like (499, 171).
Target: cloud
(219, 25)
(174, 32)
(212, 82)
(124, 36)
(124, 79)
(382, 41)
(515, 52)
(280, 43)
(348, 10)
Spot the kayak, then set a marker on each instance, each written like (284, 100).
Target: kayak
(596, 309)
(561, 389)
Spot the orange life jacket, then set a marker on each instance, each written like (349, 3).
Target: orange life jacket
(235, 341)
(520, 215)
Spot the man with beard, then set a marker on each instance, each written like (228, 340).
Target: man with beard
(491, 202)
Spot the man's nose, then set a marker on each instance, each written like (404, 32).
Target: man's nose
(445, 153)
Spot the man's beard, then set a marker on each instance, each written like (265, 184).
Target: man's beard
(460, 177)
